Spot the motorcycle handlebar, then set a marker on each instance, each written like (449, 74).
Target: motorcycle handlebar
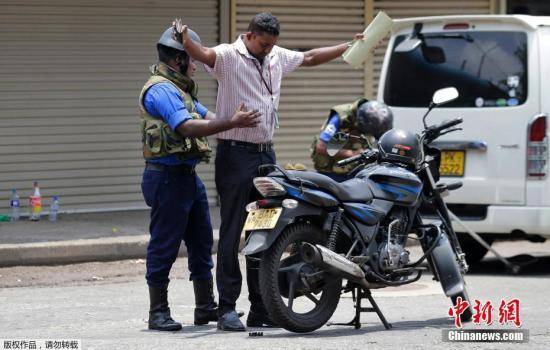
(350, 160)
(365, 156)
(448, 124)
(433, 132)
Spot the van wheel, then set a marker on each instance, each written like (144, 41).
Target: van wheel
(473, 250)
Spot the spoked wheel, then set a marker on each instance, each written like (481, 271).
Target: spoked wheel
(299, 297)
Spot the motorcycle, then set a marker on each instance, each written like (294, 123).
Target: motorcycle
(311, 233)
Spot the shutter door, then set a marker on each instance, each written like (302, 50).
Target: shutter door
(71, 72)
(308, 93)
(404, 8)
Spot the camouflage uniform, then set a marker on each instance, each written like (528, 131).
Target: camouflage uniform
(347, 114)
(158, 139)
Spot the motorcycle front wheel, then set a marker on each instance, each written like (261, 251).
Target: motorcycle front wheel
(299, 297)
(447, 268)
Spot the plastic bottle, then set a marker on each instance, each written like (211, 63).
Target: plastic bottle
(54, 209)
(35, 204)
(15, 205)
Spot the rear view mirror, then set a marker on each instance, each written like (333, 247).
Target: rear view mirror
(445, 95)
(336, 143)
(433, 54)
(408, 45)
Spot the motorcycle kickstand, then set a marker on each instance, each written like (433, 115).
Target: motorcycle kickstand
(358, 294)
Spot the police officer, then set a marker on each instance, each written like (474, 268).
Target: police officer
(365, 121)
(173, 127)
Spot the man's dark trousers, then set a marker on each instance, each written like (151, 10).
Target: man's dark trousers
(179, 211)
(235, 169)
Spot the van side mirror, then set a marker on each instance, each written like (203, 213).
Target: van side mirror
(444, 95)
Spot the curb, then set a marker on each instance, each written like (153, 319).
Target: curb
(81, 250)
(84, 250)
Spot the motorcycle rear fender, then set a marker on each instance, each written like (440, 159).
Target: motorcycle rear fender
(260, 240)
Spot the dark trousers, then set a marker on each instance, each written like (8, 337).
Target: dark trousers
(235, 169)
(179, 211)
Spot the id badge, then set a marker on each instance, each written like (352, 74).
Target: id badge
(275, 113)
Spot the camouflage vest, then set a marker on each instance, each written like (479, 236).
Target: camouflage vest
(347, 114)
(158, 139)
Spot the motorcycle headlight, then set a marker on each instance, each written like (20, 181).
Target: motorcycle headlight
(269, 187)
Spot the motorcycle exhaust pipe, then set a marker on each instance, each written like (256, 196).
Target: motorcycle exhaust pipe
(319, 256)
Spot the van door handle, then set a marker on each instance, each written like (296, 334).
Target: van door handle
(461, 145)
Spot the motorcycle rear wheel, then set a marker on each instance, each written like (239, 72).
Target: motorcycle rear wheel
(273, 282)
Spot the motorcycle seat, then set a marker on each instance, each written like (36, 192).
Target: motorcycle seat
(353, 190)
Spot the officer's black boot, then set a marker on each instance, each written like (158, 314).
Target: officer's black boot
(159, 312)
(206, 309)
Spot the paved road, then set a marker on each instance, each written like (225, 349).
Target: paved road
(105, 305)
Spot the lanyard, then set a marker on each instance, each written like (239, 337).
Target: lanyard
(268, 87)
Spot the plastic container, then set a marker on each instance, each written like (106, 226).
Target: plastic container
(35, 204)
(15, 206)
(54, 209)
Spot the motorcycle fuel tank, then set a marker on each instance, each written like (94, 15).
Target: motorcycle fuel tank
(393, 183)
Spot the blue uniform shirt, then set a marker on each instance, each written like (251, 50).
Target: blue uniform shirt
(332, 128)
(164, 101)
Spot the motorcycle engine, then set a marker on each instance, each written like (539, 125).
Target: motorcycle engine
(392, 254)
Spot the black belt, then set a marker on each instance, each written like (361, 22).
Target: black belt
(257, 147)
(179, 169)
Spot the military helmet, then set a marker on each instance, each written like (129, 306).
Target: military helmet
(400, 146)
(374, 118)
(167, 39)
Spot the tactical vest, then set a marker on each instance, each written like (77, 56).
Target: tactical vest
(158, 139)
(347, 114)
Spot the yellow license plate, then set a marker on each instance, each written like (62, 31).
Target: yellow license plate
(452, 163)
(262, 219)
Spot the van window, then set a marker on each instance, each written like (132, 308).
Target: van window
(488, 68)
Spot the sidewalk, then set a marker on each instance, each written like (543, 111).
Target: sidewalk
(83, 226)
(81, 238)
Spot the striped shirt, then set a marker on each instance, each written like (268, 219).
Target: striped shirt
(239, 80)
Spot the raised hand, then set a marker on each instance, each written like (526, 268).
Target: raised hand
(180, 31)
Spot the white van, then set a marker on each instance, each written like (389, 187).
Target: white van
(500, 65)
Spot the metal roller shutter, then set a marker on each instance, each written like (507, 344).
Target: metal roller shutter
(407, 8)
(71, 72)
(308, 93)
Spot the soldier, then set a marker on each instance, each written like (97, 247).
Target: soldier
(173, 129)
(365, 121)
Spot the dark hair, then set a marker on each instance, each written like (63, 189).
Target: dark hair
(166, 54)
(264, 22)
